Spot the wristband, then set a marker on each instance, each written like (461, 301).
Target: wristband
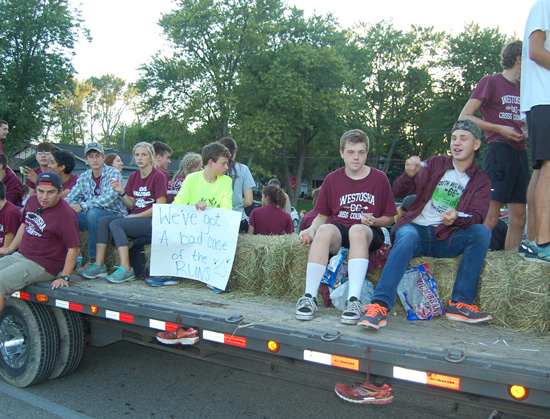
(123, 194)
(64, 277)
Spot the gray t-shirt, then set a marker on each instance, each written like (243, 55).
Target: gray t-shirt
(243, 181)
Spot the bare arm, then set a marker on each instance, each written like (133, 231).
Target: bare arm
(248, 199)
(308, 234)
(70, 262)
(8, 250)
(468, 113)
(537, 52)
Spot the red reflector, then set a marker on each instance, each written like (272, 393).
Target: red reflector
(444, 381)
(234, 340)
(25, 296)
(128, 318)
(75, 307)
(170, 327)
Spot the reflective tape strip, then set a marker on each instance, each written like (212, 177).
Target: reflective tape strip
(160, 325)
(331, 360)
(429, 378)
(115, 315)
(223, 338)
(67, 305)
(409, 375)
(22, 295)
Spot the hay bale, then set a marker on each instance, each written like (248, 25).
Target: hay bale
(272, 266)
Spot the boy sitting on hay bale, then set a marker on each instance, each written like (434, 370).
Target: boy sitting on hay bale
(445, 220)
(354, 202)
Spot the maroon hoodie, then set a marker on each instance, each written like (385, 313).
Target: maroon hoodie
(474, 201)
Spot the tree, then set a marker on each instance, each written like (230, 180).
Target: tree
(107, 103)
(210, 39)
(291, 95)
(396, 84)
(36, 39)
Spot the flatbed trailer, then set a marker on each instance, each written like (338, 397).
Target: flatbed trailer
(42, 333)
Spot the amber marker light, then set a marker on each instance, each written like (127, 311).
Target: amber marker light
(42, 298)
(518, 392)
(93, 309)
(273, 346)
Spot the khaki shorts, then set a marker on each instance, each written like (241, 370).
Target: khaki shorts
(16, 272)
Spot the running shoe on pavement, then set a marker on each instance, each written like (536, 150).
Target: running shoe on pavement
(374, 317)
(94, 271)
(467, 313)
(180, 336)
(121, 275)
(353, 311)
(366, 393)
(305, 307)
(161, 281)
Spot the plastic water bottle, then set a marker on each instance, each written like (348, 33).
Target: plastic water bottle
(78, 262)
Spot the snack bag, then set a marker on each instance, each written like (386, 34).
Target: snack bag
(337, 269)
(419, 295)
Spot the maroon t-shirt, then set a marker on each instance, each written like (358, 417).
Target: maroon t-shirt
(271, 220)
(70, 182)
(30, 183)
(344, 200)
(14, 187)
(174, 186)
(146, 191)
(501, 106)
(10, 219)
(307, 220)
(97, 189)
(49, 235)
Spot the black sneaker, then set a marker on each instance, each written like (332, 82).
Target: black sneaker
(467, 313)
(305, 307)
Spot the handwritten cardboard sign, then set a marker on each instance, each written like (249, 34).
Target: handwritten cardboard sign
(199, 245)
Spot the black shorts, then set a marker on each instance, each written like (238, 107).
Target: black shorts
(508, 170)
(377, 237)
(538, 125)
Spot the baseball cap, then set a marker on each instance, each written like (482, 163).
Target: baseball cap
(93, 146)
(468, 125)
(407, 201)
(49, 178)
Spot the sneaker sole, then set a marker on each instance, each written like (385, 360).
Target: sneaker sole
(180, 341)
(305, 317)
(345, 320)
(372, 400)
(463, 319)
(102, 275)
(368, 325)
(120, 281)
(162, 284)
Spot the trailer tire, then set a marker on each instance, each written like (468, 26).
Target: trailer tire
(28, 343)
(71, 342)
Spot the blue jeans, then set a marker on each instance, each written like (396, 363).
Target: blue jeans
(87, 220)
(412, 240)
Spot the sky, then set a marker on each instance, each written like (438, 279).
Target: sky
(126, 34)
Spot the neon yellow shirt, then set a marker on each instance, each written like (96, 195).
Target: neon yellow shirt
(195, 189)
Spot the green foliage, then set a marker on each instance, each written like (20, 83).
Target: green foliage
(36, 38)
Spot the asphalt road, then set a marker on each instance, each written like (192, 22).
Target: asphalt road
(129, 380)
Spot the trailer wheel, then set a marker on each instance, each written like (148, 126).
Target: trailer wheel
(71, 342)
(28, 343)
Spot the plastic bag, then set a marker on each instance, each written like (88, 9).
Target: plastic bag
(337, 269)
(339, 296)
(419, 294)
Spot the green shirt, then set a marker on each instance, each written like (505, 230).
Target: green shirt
(195, 189)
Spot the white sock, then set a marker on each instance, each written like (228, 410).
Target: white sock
(357, 271)
(314, 275)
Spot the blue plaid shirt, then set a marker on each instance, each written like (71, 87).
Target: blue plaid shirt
(83, 192)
